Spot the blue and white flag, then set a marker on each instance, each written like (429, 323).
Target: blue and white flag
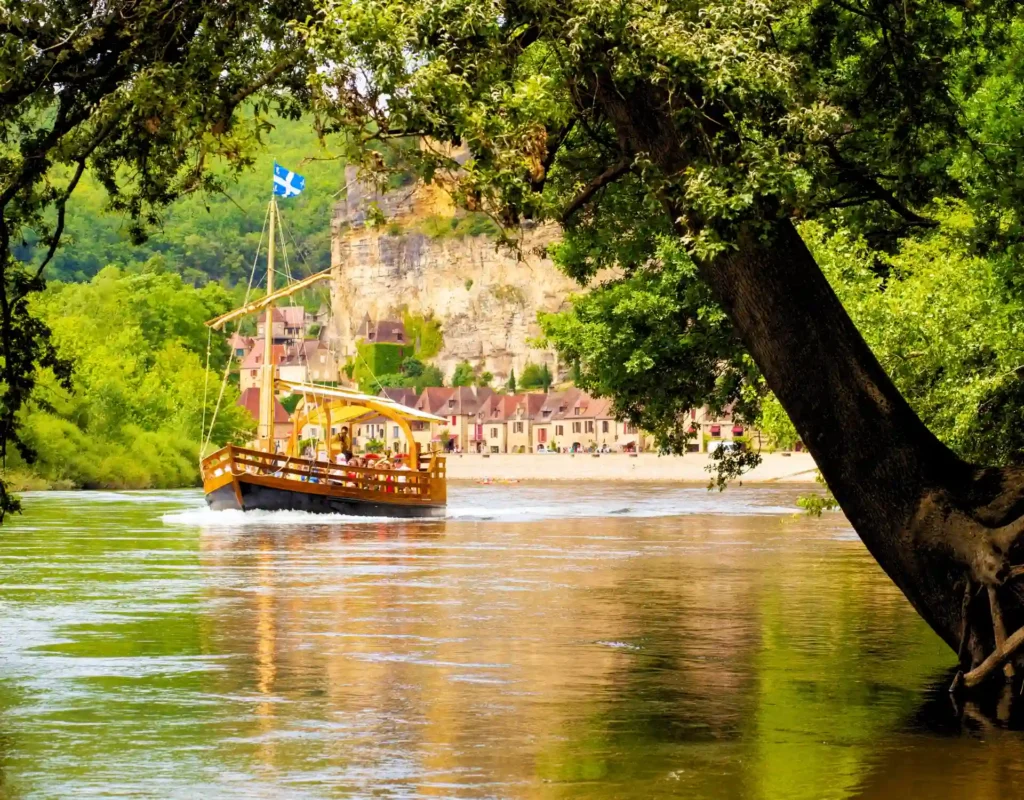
(286, 182)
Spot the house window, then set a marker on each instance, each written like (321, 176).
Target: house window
(398, 336)
(576, 427)
(627, 428)
(547, 412)
(559, 430)
(517, 427)
(394, 432)
(254, 372)
(604, 427)
(576, 411)
(716, 430)
(494, 433)
(542, 435)
(451, 404)
(737, 430)
(590, 426)
(454, 420)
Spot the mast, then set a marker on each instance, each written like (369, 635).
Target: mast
(265, 431)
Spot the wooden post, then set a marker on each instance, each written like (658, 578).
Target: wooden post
(265, 431)
(327, 414)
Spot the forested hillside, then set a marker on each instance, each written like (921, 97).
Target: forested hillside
(213, 237)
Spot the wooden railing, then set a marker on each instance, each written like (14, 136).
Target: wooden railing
(427, 484)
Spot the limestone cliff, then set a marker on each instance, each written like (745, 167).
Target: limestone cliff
(485, 298)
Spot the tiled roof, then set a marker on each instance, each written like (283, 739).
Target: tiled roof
(469, 399)
(434, 399)
(292, 316)
(250, 401)
(386, 331)
(303, 355)
(403, 395)
(254, 358)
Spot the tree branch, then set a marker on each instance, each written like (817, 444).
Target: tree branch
(59, 227)
(254, 87)
(876, 191)
(610, 175)
(553, 145)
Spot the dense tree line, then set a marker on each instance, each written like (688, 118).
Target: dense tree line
(134, 417)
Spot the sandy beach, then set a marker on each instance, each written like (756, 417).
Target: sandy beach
(775, 468)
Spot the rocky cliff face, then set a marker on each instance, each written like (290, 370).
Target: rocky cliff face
(485, 298)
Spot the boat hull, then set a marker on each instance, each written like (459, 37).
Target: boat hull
(244, 495)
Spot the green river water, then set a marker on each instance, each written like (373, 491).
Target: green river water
(590, 641)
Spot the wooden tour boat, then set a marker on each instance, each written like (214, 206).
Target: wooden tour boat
(257, 477)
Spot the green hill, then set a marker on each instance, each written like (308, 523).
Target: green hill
(214, 237)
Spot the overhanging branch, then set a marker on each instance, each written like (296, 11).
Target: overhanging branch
(610, 175)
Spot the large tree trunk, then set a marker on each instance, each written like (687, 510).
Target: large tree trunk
(948, 533)
(939, 527)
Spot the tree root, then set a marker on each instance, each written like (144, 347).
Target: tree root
(995, 659)
(1005, 648)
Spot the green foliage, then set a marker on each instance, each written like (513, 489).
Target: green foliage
(412, 367)
(537, 376)
(816, 504)
(510, 385)
(144, 98)
(375, 446)
(425, 334)
(290, 402)
(376, 359)
(654, 134)
(138, 346)
(468, 284)
(464, 375)
(458, 227)
(415, 375)
(214, 236)
(484, 378)
(775, 425)
(944, 327)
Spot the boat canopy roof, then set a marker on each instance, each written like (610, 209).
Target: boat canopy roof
(348, 405)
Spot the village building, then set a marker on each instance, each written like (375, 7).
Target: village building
(522, 413)
(308, 362)
(252, 365)
(250, 401)
(383, 331)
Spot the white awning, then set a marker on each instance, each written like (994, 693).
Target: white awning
(370, 401)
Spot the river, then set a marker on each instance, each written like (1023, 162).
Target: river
(597, 641)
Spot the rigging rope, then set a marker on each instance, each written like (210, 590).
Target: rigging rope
(227, 366)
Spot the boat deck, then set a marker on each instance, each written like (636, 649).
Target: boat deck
(240, 478)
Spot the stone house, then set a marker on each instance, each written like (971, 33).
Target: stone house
(521, 418)
(252, 365)
(290, 324)
(310, 361)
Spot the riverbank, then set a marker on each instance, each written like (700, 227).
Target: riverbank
(691, 468)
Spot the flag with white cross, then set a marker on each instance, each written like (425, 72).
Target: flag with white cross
(286, 182)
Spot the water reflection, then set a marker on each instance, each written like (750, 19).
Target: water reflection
(544, 652)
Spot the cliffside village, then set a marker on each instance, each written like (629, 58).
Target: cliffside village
(477, 419)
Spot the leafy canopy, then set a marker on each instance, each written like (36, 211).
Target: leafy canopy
(145, 95)
(653, 132)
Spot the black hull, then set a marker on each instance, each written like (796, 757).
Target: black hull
(266, 498)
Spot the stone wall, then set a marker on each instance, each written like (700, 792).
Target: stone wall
(485, 298)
